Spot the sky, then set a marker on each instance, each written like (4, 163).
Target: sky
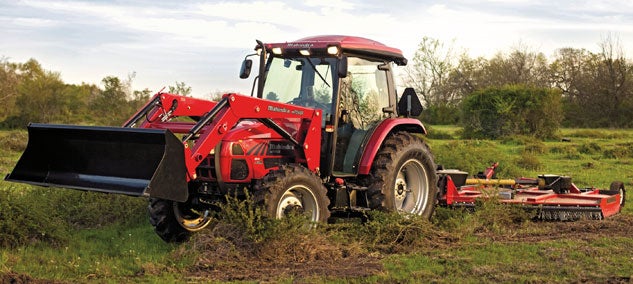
(202, 43)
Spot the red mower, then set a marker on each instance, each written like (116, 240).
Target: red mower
(553, 197)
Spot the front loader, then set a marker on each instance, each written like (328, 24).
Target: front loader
(323, 134)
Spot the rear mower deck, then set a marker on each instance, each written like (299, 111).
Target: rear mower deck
(553, 197)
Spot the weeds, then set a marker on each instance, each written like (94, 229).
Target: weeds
(589, 148)
(536, 147)
(253, 246)
(14, 141)
(25, 218)
(618, 152)
(397, 233)
(29, 216)
(439, 134)
(489, 216)
(491, 243)
(528, 161)
(520, 140)
(467, 155)
(597, 134)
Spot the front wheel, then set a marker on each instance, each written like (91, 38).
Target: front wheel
(175, 221)
(403, 177)
(293, 189)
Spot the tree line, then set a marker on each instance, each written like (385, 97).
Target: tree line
(596, 88)
(32, 94)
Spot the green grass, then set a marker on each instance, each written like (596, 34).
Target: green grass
(457, 247)
(487, 261)
(112, 253)
(597, 167)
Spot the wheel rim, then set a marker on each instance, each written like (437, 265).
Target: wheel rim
(411, 188)
(621, 195)
(190, 219)
(298, 199)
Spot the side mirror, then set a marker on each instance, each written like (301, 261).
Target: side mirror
(245, 71)
(342, 67)
(409, 104)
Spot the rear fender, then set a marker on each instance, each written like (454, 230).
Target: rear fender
(386, 127)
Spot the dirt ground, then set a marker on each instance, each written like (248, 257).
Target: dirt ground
(295, 256)
(314, 255)
(616, 226)
(333, 261)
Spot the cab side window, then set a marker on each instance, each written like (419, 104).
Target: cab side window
(364, 93)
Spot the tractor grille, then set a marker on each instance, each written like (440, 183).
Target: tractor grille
(206, 169)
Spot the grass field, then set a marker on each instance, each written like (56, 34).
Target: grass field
(90, 238)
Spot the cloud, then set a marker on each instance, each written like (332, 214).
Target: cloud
(202, 43)
(33, 22)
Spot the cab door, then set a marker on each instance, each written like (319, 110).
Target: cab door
(363, 102)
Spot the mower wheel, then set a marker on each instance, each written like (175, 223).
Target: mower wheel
(619, 186)
(293, 189)
(403, 177)
(175, 221)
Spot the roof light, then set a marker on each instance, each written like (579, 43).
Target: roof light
(304, 52)
(333, 49)
(277, 50)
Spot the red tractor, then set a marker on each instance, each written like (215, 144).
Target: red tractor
(324, 135)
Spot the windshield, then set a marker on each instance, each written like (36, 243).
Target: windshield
(301, 81)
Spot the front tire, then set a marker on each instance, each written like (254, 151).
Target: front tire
(174, 222)
(293, 189)
(403, 177)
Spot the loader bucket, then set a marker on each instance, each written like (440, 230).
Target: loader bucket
(131, 161)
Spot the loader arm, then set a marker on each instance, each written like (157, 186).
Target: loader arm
(150, 160)
(233, 108)
(163, 106)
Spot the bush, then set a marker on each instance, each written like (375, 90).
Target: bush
(49, 214)
(246, 216)
(440, 114)
(27, 218)
(512, 110)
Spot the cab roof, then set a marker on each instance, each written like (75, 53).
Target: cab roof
(349, 44)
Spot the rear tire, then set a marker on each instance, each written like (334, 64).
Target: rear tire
(174, 222)
(293, 189)
(403, 177)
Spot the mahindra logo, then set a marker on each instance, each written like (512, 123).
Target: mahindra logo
(300, 45)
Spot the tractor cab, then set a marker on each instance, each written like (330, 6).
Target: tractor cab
(348, 78)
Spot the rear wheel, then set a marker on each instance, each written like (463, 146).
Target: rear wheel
(403, 177)
(175, 221)
(293, 189)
